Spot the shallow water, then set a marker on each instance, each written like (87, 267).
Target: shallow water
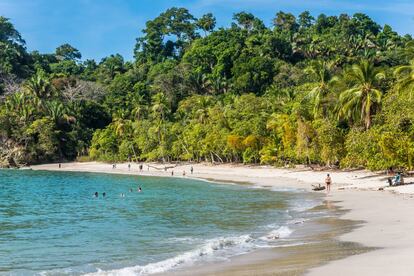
(51, 224)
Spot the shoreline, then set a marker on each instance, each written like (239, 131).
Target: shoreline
(386, 214)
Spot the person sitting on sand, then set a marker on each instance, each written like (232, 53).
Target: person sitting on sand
(398, 180)
(328, 182)
(183, 173)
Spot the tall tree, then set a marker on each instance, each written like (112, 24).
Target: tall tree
(322, 71)
(67, 52)
(363, 97)
(405, 77)
(207, 23)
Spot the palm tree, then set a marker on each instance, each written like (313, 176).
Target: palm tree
(122, 126)
(408, 50)
(323, 71)
(203, 104)
(405, 77)
(139, 106)
(159, 111)
(361, 100)
(58, 112)
(160, 106)
(39, 86)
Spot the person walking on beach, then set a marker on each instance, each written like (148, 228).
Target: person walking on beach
(191, 169)
(129, 166)
(140, 167)
(328, 182)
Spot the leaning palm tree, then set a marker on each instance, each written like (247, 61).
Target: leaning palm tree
(405, 77)
(360, 101)
(323, 72)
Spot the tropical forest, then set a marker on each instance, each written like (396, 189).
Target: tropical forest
(318, 90)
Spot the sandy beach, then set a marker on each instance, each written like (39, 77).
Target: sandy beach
(386, 211)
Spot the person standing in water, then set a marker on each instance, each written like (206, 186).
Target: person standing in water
(96, 194)
(328, 182)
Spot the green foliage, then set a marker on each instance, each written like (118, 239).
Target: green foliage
(333, 91)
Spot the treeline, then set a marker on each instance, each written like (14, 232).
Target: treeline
(331, 90)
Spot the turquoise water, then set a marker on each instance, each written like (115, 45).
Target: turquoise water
(51, 224)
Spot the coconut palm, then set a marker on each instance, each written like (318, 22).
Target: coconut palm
(159, 111)
(139, 107)
(58, 113)
(160, 106)
(39, 85)
(323, 72)
(360, 101)
(405, 77)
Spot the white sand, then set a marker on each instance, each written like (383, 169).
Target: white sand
(388, 214)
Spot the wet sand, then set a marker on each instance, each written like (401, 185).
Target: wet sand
(320, 246)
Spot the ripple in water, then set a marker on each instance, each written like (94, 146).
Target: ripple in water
(50, 222)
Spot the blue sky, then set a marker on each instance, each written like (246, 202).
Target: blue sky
(99, 28)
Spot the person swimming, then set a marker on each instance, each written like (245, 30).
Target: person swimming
(96, 194)
(139, 190)
(103, 194)
(122, 195)
(130, 190)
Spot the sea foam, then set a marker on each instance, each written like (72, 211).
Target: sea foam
(211, 247)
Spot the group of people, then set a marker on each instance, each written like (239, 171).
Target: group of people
(139, 190)
(184, 173)
(397, 179)
(141, 167)
(96, 194)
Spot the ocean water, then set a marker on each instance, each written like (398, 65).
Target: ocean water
(51, 223)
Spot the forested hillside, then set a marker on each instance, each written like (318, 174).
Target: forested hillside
(330, 90)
